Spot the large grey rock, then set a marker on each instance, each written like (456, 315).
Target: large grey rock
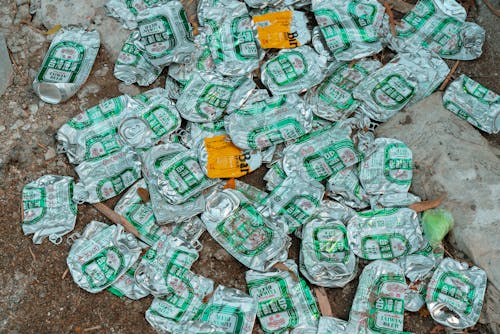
(5, 66)
(90, 13)
(451, 156)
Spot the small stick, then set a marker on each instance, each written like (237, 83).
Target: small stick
(324, 304)
(401, 6)
(116, 218)
(448, 77)
(42, 146)
(283, 267)
(32, 254)
(391, 18)
(143, 194)
(492, 8)
(92, 328)
(65, 273)
(11, 56)
(427, 205)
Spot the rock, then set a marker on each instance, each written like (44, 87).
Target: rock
(128, 89)
(89, 13)
(222, 255)
(50, 154)
(451, 156)
(22, 14)
(6, 71)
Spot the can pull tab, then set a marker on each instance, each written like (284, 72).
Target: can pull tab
(72, 238)
(197, 245)
(55, 239)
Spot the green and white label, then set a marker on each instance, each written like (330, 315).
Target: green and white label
(62, 63)
(287, 68)
(387, 307)
(393, 92)
(157, 36)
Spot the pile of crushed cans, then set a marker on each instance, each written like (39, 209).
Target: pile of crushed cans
(291, 85)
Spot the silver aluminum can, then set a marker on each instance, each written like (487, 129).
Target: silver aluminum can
(209, 95)
(345, 187)
(455, 294)
(231, 38)
(293, 70)
(396, 200)
(325, 256)
(439, 26)
(91, 135)
(277, 3)
(408, 78)
(415, 295)
(269, 121)
(293, 202)
(235, 223)
(332, 99)
(350, 28)
(166, 34)
(106, 178)
(139, 214)
(126, 11)
(127, 286)
(173, 88)
(284, 303)
(199, 131)
(49, 208)
(322, 153)
(385, 233)
(417, 266)
(319, 44)
(67, 64)
(133, 64)
(252, 193)
(378, 305)
(388, 169)
(474, 103)
(101, 256)
(275, 175)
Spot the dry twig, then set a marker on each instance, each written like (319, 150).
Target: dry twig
(427, 205)
(143, 194)
(281, 266)
(492, 8)
(90, 329)
(116, 218)
(323, 302)
(448, 77)
(391, 18)
(32, 254)
(65, 273)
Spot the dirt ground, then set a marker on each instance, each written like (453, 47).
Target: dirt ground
(34, 295)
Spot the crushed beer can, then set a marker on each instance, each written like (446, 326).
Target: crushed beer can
(133, 64)
(332, 325)
(235, 223)
(293, 202)
(230, 310)
(332, 99)
(322, 153)
(293, 70)
(439, 26)
(319, 44)
(101, 255)
(106, 178)
(127, 286)
(396, 200)
(415, 295)
(282, 28)
(231, 39)
(165, 34)
(199, 131)
(388, 169)
(378, 305)
(48, 208)
(126, 11)
(385, 233)
(350, 28)
(408, 78)
(175, 171)
(139, 213)
(269, 121)
(275, 175)
(325, 256)
(455, 294)
(220, 158)
(173, 88)
(252, 193)
(208, 95)
(67, 64)
(285, 301)
(420, 264)
(474, 103)
(345, 187)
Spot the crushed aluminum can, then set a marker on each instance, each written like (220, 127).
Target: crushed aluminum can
(106, 178)
(139, 214)
(91, 135)
(67, 64)
(408, 78)
(231, 310)
(388, 169)
(220, 158)
(415, 295)
(319, 44)
(126, 11)
(173, 88)
(275, 175)
(378, 305)
(276, 3)
(234, 222)
(293, 202)
(133, 64)
(332, 325)
(474, 103)
(48, 208)
(332, 99)
(143, 126)
(418, 265)
(252, 193)
(282, 28)
(439, 26)
(455, 294)
(101, 255)
(325, 257)
(175, 172)
(166, 34)
(201, 61)
(345, 187)
(385, 233)
(284, 301)
(350, 28)
(127, 286)
(397, 200)
(231, 38)
(208, 95)
(322, 153)
(200, 131)
(269, 121)
(293, 70)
